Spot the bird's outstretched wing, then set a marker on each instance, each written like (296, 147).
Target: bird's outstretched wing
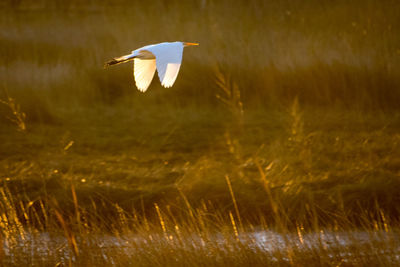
(168, 61)
(143, 71)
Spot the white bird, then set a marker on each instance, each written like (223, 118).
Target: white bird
(166, 57)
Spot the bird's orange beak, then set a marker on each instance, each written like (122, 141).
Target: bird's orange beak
(187, 44)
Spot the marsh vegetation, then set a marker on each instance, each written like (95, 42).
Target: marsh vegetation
(279, 140)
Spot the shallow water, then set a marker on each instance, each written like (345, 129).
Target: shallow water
(56, 247)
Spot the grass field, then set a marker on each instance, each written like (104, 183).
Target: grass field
(286, 118)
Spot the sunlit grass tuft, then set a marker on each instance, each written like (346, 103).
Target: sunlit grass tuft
(17, 116)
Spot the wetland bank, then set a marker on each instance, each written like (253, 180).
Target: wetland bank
(290, 157)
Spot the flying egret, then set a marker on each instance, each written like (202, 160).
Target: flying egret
(166, 57)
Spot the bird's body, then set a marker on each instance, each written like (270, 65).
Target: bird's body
(165, 57)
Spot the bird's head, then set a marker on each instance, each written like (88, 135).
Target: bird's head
(189, 44)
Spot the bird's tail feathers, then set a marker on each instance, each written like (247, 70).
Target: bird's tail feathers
(118, 60)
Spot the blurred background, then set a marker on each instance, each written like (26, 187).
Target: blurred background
(325, 53)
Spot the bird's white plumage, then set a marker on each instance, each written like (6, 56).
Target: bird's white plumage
(168, 61)
(165, 57)
(143, 71)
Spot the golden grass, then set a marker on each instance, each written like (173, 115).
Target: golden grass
(17, 116)
(285, 118)
(204, 238)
